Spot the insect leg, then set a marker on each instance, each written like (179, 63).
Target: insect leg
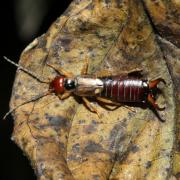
(153, 103)
(61, 71)
(135, 71)
(91, 106)
(103, 73)
(107, 73)
(107, 101)
(65, 95)
(85, 67)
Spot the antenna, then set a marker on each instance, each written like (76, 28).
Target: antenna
(35, 98)
(26, 70)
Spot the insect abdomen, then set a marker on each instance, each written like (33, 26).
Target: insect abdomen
(125, 90)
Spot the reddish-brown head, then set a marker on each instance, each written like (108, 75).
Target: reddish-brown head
(57, 85)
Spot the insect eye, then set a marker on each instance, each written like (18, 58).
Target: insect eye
(69, 84)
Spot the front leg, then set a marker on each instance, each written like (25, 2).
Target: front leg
(84, 70)
(64, 96)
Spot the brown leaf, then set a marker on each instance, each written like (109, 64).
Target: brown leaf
(172, 57)
(63, 139)
(165, 16)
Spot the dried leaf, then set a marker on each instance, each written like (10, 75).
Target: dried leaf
(172, 57)
(63, 139)
(166, 18)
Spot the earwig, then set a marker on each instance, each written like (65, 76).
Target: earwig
(112, 90)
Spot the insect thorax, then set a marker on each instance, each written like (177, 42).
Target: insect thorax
(88, 86)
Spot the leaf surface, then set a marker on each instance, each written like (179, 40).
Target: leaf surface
(63, 139)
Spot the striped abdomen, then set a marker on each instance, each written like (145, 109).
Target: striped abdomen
(125, 90)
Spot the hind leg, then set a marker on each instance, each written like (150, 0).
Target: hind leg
(112, 103)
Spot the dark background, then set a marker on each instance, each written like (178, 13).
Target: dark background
(14, 165)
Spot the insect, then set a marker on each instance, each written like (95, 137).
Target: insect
(112, 90)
